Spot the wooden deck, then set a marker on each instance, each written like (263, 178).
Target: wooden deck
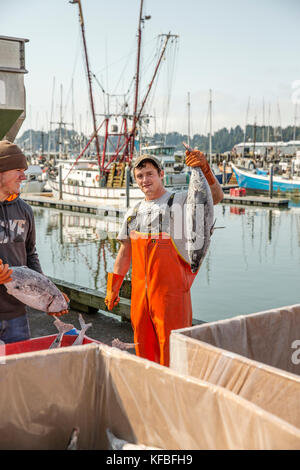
(49, 201)
(255, 201)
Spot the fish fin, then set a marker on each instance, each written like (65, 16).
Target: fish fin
(61, 326)
(73, 441)
(84, 326)
(116, 343)
(114, 442)
(212, 228)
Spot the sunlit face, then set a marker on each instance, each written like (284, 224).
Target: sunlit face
(11, 180)
(150, 181)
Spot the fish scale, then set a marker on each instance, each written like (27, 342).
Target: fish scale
(199, 218)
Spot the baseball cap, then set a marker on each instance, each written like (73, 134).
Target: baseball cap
(147, 157)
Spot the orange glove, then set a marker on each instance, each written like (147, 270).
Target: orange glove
(114, 282)
(63, 312)
(197, 158)
(5, 273)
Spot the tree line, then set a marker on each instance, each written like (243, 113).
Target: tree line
(223, 140)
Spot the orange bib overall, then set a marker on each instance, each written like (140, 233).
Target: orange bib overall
(160, 299)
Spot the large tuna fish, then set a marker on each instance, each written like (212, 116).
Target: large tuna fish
(35, 290)
(199, 218)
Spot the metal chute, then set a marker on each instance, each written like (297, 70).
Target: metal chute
(12, 90)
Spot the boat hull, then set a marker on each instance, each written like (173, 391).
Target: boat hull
(249, 180)
(97, 195)
(219, 177)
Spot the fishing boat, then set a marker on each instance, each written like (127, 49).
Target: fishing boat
(102, 179)
(82, 182)
(219, 174)
(259, 179)
(35, 182)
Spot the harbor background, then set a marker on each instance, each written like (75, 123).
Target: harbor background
(252, 264)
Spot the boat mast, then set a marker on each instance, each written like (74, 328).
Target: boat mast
(51, 117)
(137, 78)
(295, 122)
(245, 131)
(189, 118)
(89, 78)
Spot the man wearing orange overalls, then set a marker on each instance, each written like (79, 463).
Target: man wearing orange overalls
(152, 239)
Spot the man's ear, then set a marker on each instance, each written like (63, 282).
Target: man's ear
(162, 173)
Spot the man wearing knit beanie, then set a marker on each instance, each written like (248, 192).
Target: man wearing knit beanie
(11, 157)
(17, 241)
(12, 166)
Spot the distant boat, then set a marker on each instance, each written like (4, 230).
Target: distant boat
(219, 174)
(260, 180)
(35, 182)
(175, 173)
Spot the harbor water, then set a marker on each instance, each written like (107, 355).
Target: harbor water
(253, 263)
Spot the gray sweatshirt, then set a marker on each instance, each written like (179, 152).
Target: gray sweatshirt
(17, 248)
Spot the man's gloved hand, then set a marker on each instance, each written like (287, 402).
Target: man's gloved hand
(197, 159)
(114, 282)
(5, 273)
(63, 312)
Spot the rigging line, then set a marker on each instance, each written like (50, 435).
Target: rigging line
(130, 86)
(129, 56)
(152, 57)
(102, 89)
(77, 51)
(157, 50)
(103, 69)
(154, 88)
(171, 58)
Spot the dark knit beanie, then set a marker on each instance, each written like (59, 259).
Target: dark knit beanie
(11, 157)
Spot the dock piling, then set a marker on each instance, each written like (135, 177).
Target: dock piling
(271, 181)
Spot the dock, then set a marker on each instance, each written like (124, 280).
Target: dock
(255, 201)
(90, 301)
(48, 201)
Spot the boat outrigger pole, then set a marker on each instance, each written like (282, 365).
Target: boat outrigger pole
(89, 80)
(136, 113)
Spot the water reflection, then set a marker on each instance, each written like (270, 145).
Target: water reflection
(76, 248)
(252, 264)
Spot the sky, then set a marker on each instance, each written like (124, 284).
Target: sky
(245, 51)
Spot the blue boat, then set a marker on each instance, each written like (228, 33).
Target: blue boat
(219, 174)
(260, 180)
(219, 177)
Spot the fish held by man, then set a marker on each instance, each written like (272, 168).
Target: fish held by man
(199, 218)
(35, 290)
